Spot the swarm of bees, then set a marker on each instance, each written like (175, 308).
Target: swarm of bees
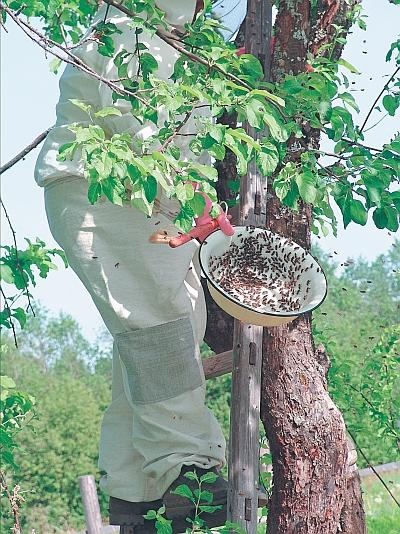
(265, 272)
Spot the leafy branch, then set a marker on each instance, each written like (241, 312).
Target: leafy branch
(47, 44)
(17, 263)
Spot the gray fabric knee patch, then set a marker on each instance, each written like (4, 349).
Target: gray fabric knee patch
(160, 361)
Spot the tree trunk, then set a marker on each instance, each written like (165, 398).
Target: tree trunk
(306, 431)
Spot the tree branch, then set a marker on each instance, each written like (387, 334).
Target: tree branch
(25, 151)
(176, 131)
(378, 98)
(14, 502)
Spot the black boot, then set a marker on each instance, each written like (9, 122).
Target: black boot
(125, 513)
(178, 508)
(129, 515)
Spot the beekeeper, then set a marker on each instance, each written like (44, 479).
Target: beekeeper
(149, 297)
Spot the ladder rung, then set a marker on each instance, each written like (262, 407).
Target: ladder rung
(218, 365)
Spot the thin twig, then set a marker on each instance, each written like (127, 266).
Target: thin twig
(7, 307)
(357, 143)
(378, 98)
(14, 235)
(25, 151)
(373, 468)
(176, 131)
(13, 503)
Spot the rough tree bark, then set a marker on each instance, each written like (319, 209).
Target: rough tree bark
(306, 431)
(316, 486)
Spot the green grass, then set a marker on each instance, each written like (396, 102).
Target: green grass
(382, 513)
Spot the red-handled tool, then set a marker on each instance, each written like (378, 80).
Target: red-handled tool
(205, 225)
(198, 232)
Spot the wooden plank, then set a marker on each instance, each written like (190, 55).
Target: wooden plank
(217, 365)
(90, 502)
(247, 346)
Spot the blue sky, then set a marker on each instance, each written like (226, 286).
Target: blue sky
(30, 93)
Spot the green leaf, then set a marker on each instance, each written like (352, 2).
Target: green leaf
(140, 202)
(276, 128)
(254, 113)
(184, 491)
(110, 188)
(392, 219)
(240, 133)
(251, 66)
(148, 64)
(20, 314)
(283, 182)
(184, 219)
(209, 509)
(217, 151)
(379, 217)
(216, 132)
(267, 161)
(150, 188)
(391, 103)
(106, 112)
(358, 212)
(350, 100)
(306, 184)
(66, 151)
(206, 170)
(54, 65)
(395, 197)
(374, 192)
(94, 192)
(269, 96)
(6, 274)
(240, 153)
(151, 514)
(209, 478)
(163, 526)
(191, 475)
(106, 48)
(348, 66)
(205, 496)
(343, 196)
(84, 107)
(197, 203)
(184, 192)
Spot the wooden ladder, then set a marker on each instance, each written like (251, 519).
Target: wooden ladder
(243, 455)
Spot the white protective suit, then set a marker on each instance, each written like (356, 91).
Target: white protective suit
(149, 296)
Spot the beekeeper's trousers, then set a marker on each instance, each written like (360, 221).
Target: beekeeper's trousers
(151, 301)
